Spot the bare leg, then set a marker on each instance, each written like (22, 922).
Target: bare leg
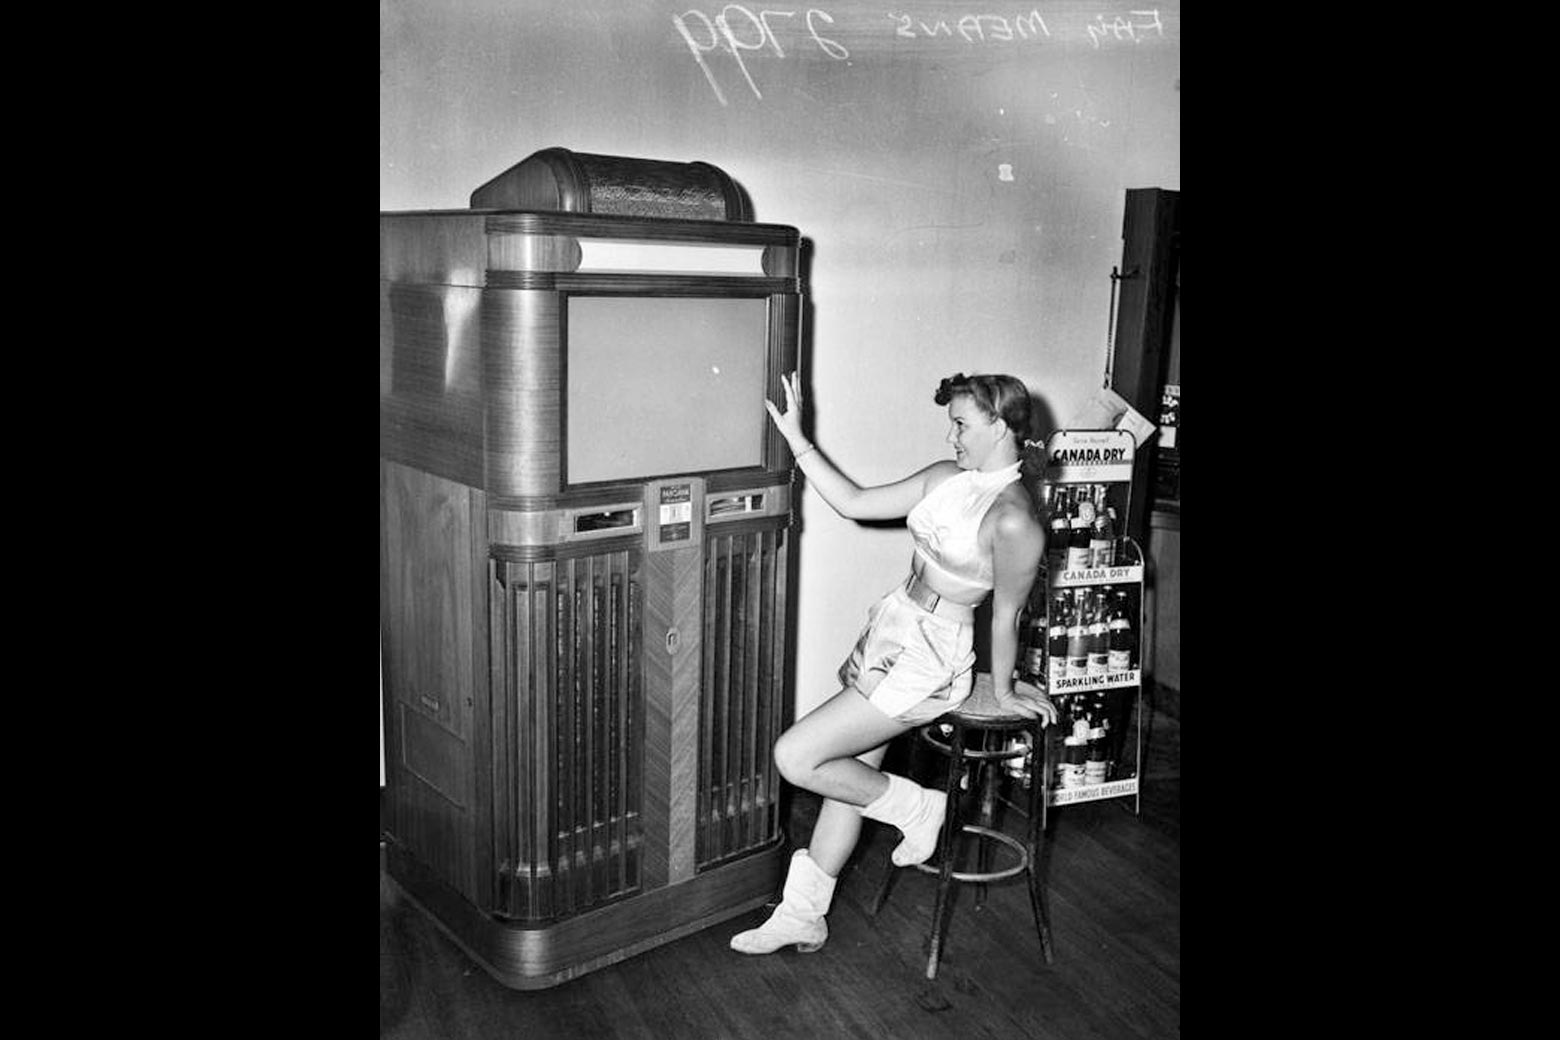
(833, 750)
(818, 751)
(838, 828)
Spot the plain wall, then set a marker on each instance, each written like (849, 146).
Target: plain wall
(958, 171)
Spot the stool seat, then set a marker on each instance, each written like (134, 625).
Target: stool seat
(980, 707)
(980, 716)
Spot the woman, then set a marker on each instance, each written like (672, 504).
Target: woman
(975, 533)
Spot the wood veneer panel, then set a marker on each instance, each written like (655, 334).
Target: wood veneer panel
(439, 247)
(428, 610)
(522, 392)
(672, 682)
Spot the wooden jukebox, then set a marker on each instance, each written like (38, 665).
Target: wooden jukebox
(586, 542)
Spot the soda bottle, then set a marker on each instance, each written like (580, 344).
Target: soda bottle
(1074, 752)
(1102, 539)
(1094, 758)
(1034, 646)
(1077, 637)
(1122, 643)
(1079, 555)
(1056, 647)
(1082, 717)
(1076, 755)
(1060, 532)
(1111, 704)
(1098, 635)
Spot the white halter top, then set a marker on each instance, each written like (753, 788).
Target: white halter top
(946, 524)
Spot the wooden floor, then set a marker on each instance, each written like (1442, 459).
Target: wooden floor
(1112, 880)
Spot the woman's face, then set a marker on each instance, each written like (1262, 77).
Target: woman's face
(973, 434)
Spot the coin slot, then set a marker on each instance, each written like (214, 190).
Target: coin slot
(608, 520)
(731, 505)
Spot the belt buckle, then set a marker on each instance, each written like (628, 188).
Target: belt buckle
(924, 597)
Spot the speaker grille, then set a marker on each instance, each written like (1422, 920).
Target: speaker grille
(583, 182)
(742, 697)
(566, 777)
(639, 188)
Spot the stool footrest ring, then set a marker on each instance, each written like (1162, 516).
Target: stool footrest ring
(993, 875)
(973, 754)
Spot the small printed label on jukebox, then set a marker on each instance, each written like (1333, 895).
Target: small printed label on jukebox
(676, 519)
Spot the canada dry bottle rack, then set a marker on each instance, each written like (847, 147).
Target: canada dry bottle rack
(1086, 619)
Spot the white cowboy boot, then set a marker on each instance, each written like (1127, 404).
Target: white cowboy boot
(916, 811)
(799, 917)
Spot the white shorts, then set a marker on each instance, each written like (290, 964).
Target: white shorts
(910, 663)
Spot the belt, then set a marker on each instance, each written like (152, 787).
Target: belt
(921, 595)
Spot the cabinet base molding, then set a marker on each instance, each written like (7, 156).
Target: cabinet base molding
(530, 956)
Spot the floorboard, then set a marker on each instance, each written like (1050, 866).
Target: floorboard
(1112, 887)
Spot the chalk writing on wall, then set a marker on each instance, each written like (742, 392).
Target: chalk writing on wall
(1119, 28)
(737, 30)
(973, 27)
(752, 32)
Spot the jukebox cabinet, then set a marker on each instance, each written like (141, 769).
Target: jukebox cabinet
(585, 537)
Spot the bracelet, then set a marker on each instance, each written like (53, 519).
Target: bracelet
(797, 457)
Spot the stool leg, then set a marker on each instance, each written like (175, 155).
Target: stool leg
(949, 845)
(913, 753)
(990, 773)
(890, 874)
(1039, 760)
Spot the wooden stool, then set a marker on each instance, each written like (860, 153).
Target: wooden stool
(980, 717)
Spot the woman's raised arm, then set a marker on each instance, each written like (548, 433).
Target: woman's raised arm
(849, 499)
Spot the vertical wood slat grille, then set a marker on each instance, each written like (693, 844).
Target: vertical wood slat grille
(741, 692)
(567, 798)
